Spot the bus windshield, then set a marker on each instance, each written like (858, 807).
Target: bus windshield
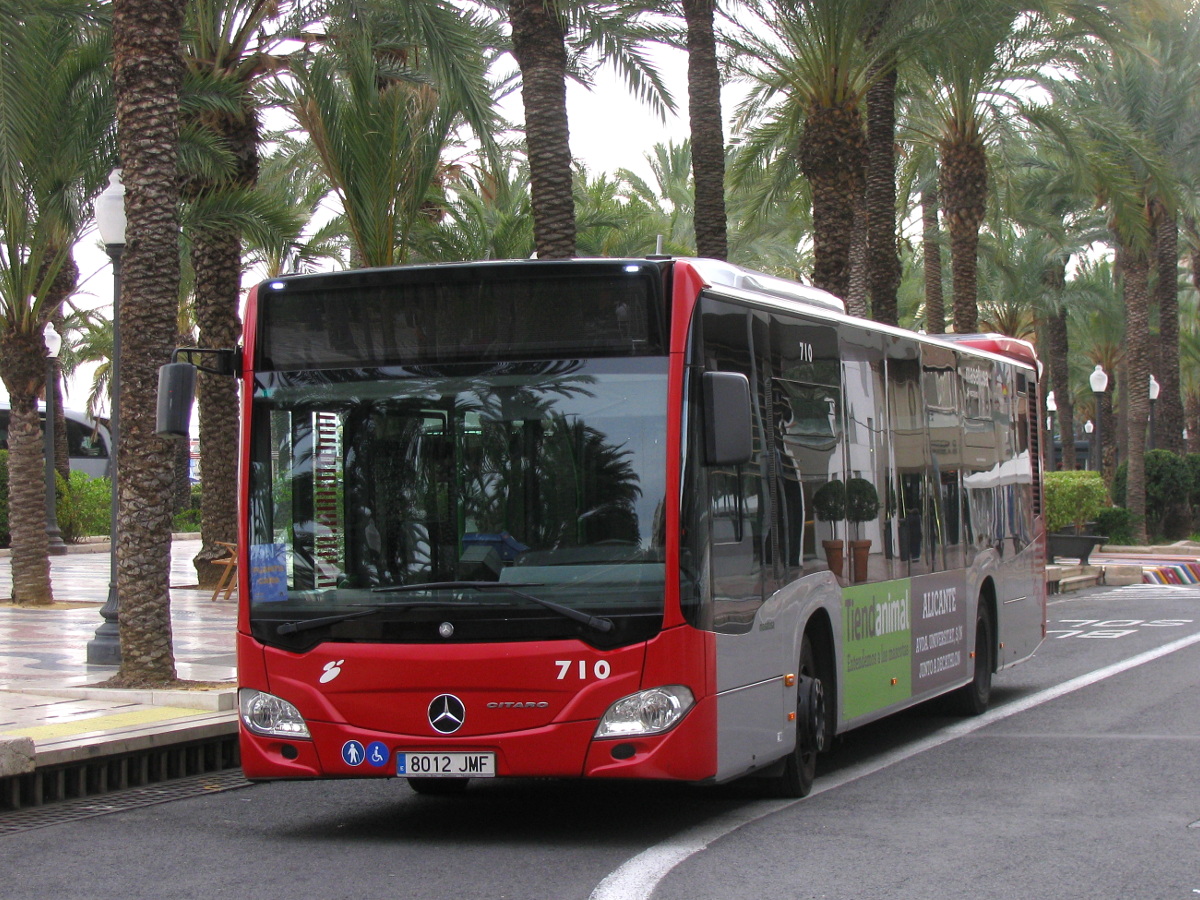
(383, 502)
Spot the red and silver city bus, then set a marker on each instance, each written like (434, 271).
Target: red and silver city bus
(636, 518)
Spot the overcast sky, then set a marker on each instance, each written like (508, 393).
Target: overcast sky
(610, 130)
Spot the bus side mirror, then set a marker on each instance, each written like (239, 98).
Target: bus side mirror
(176, 387)
(728, 428)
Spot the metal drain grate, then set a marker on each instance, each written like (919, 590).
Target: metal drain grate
(119, 801)
(101, 776)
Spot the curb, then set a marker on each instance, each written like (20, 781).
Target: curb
(100, 544)
(216, 700)
(17, 756)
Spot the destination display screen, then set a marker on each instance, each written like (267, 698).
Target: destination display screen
(440, 314)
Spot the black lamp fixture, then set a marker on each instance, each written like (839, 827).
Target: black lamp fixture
(53, 343)
(105, 648)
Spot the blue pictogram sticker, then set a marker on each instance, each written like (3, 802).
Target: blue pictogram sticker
(353, 753)
(378, 754)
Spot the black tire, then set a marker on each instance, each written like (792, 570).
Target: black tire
(973, 699)
(800, 766)
(438, 787)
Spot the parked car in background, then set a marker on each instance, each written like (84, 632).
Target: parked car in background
(88, 441)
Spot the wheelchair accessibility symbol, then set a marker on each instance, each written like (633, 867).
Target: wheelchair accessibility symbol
(378, 754)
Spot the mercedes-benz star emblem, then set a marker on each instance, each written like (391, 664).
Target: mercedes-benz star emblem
(446, 713)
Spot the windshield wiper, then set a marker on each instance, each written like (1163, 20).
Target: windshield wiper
(309, 624)
(599, 623)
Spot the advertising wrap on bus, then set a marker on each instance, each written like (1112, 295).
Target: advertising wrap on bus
(637, 518)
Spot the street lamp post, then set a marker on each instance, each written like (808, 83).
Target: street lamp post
(1051, 408)
(105, 648)
(53, 345)
(1099, 382)
(1088, 428)
(1155, 388)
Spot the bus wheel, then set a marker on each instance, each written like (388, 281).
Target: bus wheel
(438, 787)
(800, 766)
(972, 699)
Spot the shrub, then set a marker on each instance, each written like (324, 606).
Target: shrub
(1116, 524)
(92, 498)
(64, 511)
(188, 518)
(1073, 498)
(1168, 490)
(1168, 487)
(1193, 464)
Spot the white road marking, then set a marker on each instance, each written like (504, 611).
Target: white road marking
(637, 878)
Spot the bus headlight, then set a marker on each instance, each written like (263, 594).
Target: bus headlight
(271, 716)
(647, 712)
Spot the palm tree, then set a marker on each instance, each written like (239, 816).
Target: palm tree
(380, 126)
(977, 70)
(879, 200)
(550, 41)
(1174, 124)
(486, 215)
(56, 115)
(540, 48)
(1124, 105)
(811, 73)
(707, 134)
(226, 47)
(147, 79)
(290, 176)
(1097, 335)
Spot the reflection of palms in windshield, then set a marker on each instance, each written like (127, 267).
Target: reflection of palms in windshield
(555, 481)
(421, 473)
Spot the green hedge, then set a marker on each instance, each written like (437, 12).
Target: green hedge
(82, 505)
(1073, 498)
(1169, 488)
(1115, 523)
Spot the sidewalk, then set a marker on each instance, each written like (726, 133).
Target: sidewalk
(48, 713)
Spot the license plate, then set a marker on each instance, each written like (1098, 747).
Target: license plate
(446, 765)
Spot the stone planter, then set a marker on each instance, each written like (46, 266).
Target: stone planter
(1073, 546)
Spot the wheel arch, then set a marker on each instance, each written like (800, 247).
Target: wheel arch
(819, 631)
(987, 601)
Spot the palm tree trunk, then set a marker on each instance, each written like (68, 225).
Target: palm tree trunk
(147, 76)
(217, 261)
(831, 158)
(931, 246)
(63, 287)
(883, 252)
(1168, 411)
(858, 294)
(1054, 278)
(1108, 438)
(540, 49)
(23, 369)
(1192, 420)
(1135, 269)
(708, 139)
(964, 202)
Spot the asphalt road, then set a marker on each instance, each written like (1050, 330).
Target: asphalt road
(1082, 782)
